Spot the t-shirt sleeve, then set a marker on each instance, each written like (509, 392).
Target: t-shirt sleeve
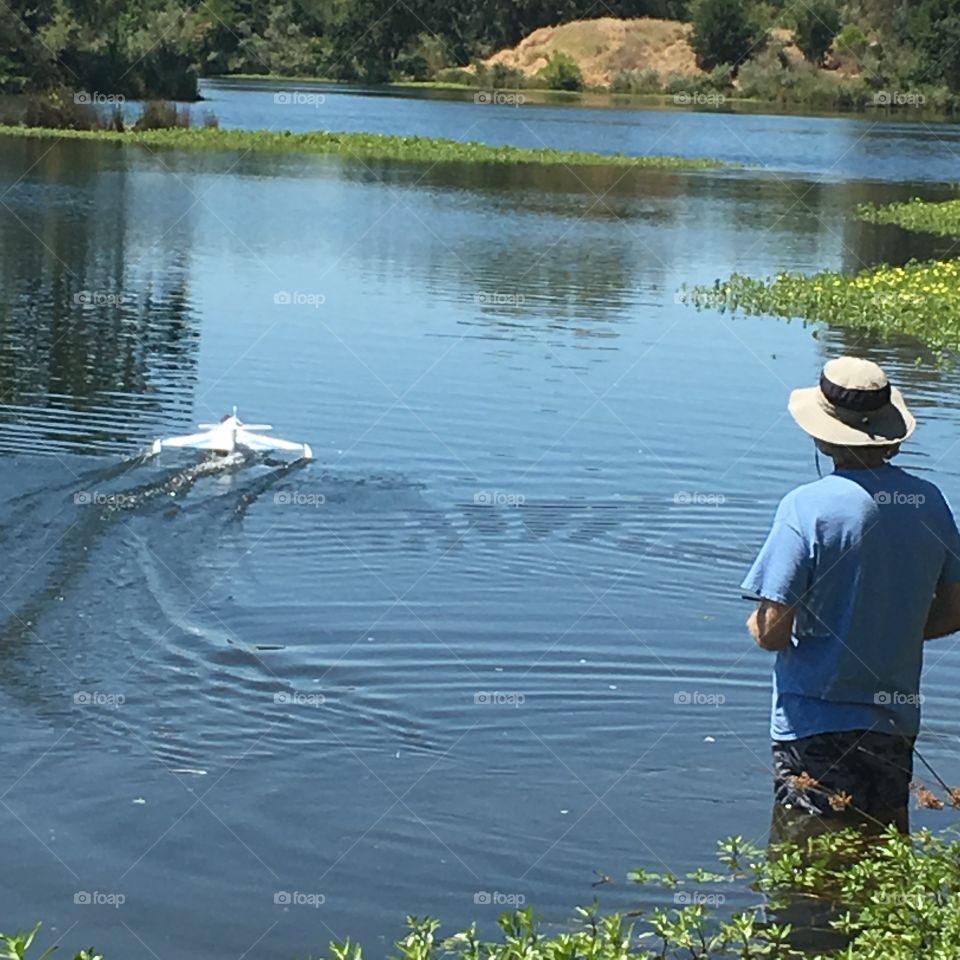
(950, 573)
(783, 569)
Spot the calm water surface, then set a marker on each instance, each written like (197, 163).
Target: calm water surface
(491, 641)
(870, 146)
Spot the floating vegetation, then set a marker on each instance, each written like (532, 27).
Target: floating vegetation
(921, 216)
(364, 146)
(920, 299)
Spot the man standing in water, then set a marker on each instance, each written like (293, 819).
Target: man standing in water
(859, 569)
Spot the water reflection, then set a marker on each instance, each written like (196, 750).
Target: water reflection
(95, 299)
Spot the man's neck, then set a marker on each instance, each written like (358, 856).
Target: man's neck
(866, 462)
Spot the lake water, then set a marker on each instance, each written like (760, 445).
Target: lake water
(491, 640)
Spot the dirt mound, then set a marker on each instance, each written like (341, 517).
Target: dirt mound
(605, 46)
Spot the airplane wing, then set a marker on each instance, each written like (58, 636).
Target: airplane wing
(256, 441)
(208, 440)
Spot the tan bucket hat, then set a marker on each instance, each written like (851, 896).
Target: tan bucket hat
(853, 406)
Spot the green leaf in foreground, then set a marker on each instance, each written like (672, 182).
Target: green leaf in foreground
(920, 216)
(363, 146)
(920, 299)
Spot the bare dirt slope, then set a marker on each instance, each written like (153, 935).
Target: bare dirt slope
(605, 46)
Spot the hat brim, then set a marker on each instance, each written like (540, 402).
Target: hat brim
(816, 416)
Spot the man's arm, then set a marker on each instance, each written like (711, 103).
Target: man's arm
(771, 625)
(944, 615)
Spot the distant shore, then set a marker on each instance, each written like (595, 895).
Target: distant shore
(604, 97)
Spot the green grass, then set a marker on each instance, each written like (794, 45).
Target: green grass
(920, 299)
(921, 216)
(363, 146)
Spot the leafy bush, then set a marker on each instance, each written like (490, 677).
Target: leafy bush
(816, 24)
(692, 83)
(637, 82)
(767, 79)
(431, 54)
(724, 31)
(161, 115)
(562, 72)
(456, 75)
(851, 39)
(59, 109)
(503, 77)
(412, 67)
(721, 77)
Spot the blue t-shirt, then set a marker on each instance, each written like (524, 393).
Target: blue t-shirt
(859, 554)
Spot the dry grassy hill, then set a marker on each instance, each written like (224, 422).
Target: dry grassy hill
(606, 46)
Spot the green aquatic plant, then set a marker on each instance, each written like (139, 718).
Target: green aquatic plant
(920, 216)
(364, 146)
(887, 896)
(14, 946)
(891, 897)
(919, 299)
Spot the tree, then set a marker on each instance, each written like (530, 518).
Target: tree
(724, 31)
(25, 63)
(817, 23)
(933, 29)
(562, 72)
(281, 48)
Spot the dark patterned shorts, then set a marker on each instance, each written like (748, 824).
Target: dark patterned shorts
(836, 774)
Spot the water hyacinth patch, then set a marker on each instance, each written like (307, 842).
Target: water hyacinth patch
(920, 299)
(363, 146)
(921, 216)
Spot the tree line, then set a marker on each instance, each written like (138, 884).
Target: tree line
(142, 48)
(160, 48)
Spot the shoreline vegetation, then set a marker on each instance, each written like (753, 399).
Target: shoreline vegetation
(884, 896)
(822, 54)
(361, 146)
(920, 299)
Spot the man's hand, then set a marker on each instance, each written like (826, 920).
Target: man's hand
(771, 625)
(944, 616)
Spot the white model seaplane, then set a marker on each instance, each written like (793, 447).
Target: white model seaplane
(231, 434)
